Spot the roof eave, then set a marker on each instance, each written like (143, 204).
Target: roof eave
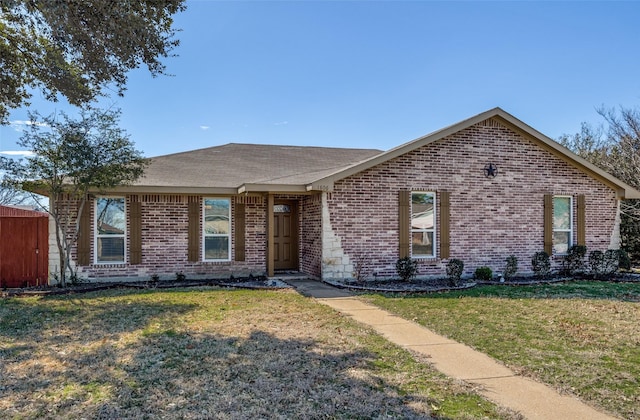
(272, 188)
(148, 189)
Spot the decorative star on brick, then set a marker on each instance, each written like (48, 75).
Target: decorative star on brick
(490, 170)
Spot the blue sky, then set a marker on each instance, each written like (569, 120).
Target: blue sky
(374, 74)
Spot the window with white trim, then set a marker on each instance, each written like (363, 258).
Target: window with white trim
(110, 229)
(562, 223)
(216, 235)
(423, 224)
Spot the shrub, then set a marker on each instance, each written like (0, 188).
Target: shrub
(611, 261)
(180, 276)
(512, 267)
(596, 262)
(406, 268)
(483, 273)
(541, 264)
(574, 260)
(75, 280)
(455, 267)
(604, 263)
(361, 267)
(624, 262)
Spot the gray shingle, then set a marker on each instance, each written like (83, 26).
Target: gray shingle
(232, 165)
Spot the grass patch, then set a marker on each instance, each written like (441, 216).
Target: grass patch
(210, 353)
(583, 338)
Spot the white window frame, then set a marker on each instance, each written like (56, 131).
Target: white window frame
(571, 222)
(434, 229)
(218, 235)
(97, 235)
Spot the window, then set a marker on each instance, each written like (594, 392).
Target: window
(562, 224)
(423, 227)
(111, 225)
(217, 229)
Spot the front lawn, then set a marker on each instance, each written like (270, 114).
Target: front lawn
(582, 338)
(210, 353)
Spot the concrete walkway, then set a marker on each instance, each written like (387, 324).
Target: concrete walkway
(495, 381)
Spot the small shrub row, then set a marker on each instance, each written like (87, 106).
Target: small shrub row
(606, 263)
(600, 264)
(485, 273)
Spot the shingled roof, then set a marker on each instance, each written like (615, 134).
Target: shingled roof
(242, 168)
(234, 168)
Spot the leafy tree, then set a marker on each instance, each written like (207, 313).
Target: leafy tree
(72, 158)
(79, 48)
(615, 147)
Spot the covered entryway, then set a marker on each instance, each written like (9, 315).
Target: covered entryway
(285, 235)
(24, 248)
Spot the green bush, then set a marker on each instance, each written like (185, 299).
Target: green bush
(604, 264)
(541, 264)
(406, 268)
(596, 262)
(483, 273)
(573, 262)
(611, 261)
(75, 280)
(630, 236)
(455, 267)
(624, 261)
(512, 267)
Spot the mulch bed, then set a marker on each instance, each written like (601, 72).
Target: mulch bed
(260, 282)
(397, 286)
(443, 285)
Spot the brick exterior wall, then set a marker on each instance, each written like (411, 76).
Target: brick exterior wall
(165, 239)
(490, 218)
(165, 221)
(311, 235)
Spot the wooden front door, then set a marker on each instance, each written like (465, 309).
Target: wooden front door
(285, 235)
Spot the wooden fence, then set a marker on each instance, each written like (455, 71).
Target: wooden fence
(24, 247)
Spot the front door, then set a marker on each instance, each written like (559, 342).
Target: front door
(285, 236)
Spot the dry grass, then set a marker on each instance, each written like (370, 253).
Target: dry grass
(210, 353)
(583, 338)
